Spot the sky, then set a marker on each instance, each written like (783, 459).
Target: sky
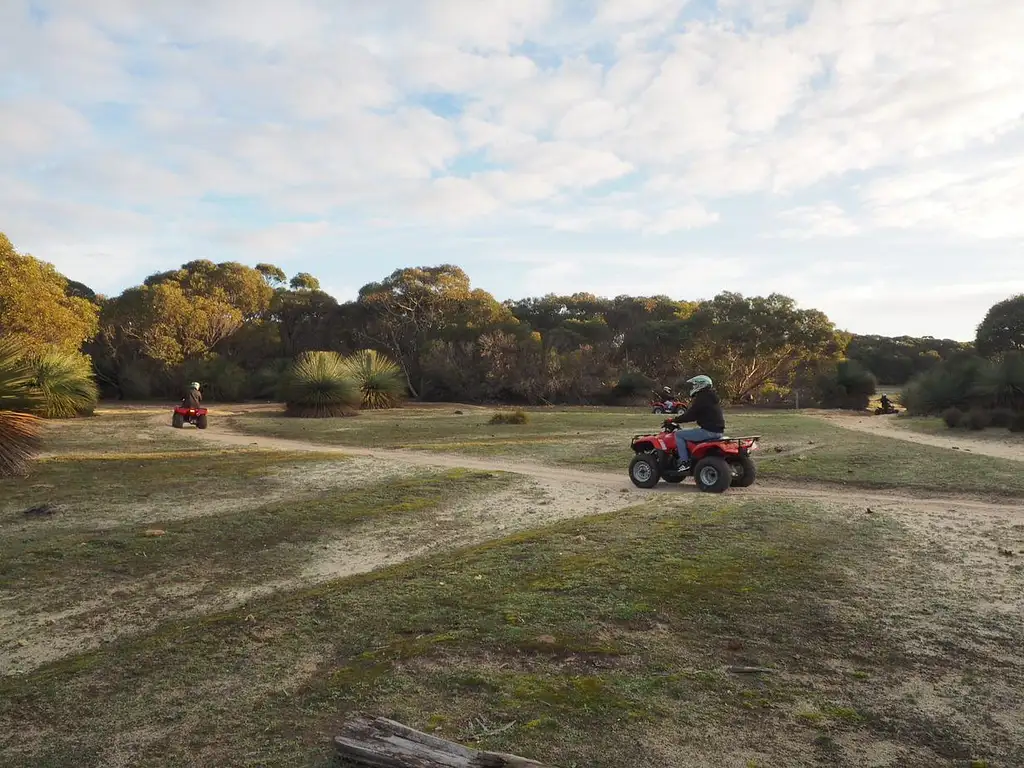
(863, 156)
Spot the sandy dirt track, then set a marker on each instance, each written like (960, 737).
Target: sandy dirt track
(886, 426)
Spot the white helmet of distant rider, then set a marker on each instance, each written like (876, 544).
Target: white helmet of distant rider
(697, 383)
(195, 385)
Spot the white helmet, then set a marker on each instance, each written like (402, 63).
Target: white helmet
(697, 383)
(195, 385)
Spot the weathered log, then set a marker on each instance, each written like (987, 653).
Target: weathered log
(381, 743)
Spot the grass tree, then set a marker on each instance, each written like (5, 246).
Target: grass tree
(19, 429)
(378, 378)
(65, 383)
(320, 385)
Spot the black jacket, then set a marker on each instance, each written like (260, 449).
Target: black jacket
(193, 398)
(706, 410)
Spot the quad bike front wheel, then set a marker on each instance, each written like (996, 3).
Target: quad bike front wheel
(177, 421)
(743, 472)
(643, 471)
(713, 474)
(658, 409)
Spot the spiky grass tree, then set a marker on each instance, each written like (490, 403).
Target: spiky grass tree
(379, 379)
(19, 430)
(320, 385)
(66, 383)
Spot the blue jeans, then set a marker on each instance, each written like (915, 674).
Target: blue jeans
(682, 435)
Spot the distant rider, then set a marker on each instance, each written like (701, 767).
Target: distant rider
(669, 398)
(887, 406)
(194, 397)
(705, 409)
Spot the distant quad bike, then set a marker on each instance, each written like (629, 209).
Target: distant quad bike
(667, 406)
(184, 415)
(714, 464)
(882, 410)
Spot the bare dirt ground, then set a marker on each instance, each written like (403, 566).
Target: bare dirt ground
(885, 426)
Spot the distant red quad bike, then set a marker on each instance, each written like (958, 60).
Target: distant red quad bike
(184, 415)
(715, 465)
(670, 406)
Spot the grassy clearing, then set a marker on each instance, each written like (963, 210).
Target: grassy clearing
(934, 425)
(116, 430)
(813, 451)
(600, 643)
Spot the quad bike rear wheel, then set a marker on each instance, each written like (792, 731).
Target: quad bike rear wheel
(744, 472)
(643, 471)
(658, 409)
(201, 422)
(713, 474)
(177, 421)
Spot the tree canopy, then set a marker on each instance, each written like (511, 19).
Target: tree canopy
(39, 308)
(1002, 330)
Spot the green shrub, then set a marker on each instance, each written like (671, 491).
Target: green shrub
(510, 417)
(319, 385)
(220, 379)
(265, 384)
(135, 380)
(632, 384)
(66, 384)
(978, 419)
(1001, 383)
(1017, 425)
(953, 383)
(19, 430)
(379, 380)
(1001, 417)
(850, 386)
(953, 417)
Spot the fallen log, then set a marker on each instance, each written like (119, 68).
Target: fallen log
(381, 743)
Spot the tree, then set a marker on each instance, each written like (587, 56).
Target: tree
(1002, 330)
(403, 313)
(273, 275)
(895, 360)
(36, 309)
(746, 343)
(304, 282)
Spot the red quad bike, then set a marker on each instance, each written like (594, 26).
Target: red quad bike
(715, 464)
(674, 406)
(185, 415)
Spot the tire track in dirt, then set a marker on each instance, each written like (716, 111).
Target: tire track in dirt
(552, 474)
(884, 426)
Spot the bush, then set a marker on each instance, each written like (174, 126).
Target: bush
(849, 386)
(221, 379)
(379, 380)
(1017, 425)
(953, 417)
(19, 431)
(632, 384)
(66, 385)
(135, 381)
(318, 385)
(953, 383)
(509, 417)
(1002, 417)
(978, 419)
(266, 383)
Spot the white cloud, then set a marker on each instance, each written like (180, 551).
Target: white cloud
(514, 117)
(813, 221)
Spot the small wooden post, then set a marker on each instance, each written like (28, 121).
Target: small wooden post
(381, 743)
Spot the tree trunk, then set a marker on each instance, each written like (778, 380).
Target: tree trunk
(381, 743)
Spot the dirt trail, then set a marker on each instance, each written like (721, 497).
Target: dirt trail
(556, 477)
(887, 427)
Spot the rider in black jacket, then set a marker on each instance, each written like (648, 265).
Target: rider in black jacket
(194, 396)
(705, 409)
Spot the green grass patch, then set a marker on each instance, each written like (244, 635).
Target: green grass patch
(795, 447)
(580, 636)
(229, 547)
(121, 431)
(93, 485)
